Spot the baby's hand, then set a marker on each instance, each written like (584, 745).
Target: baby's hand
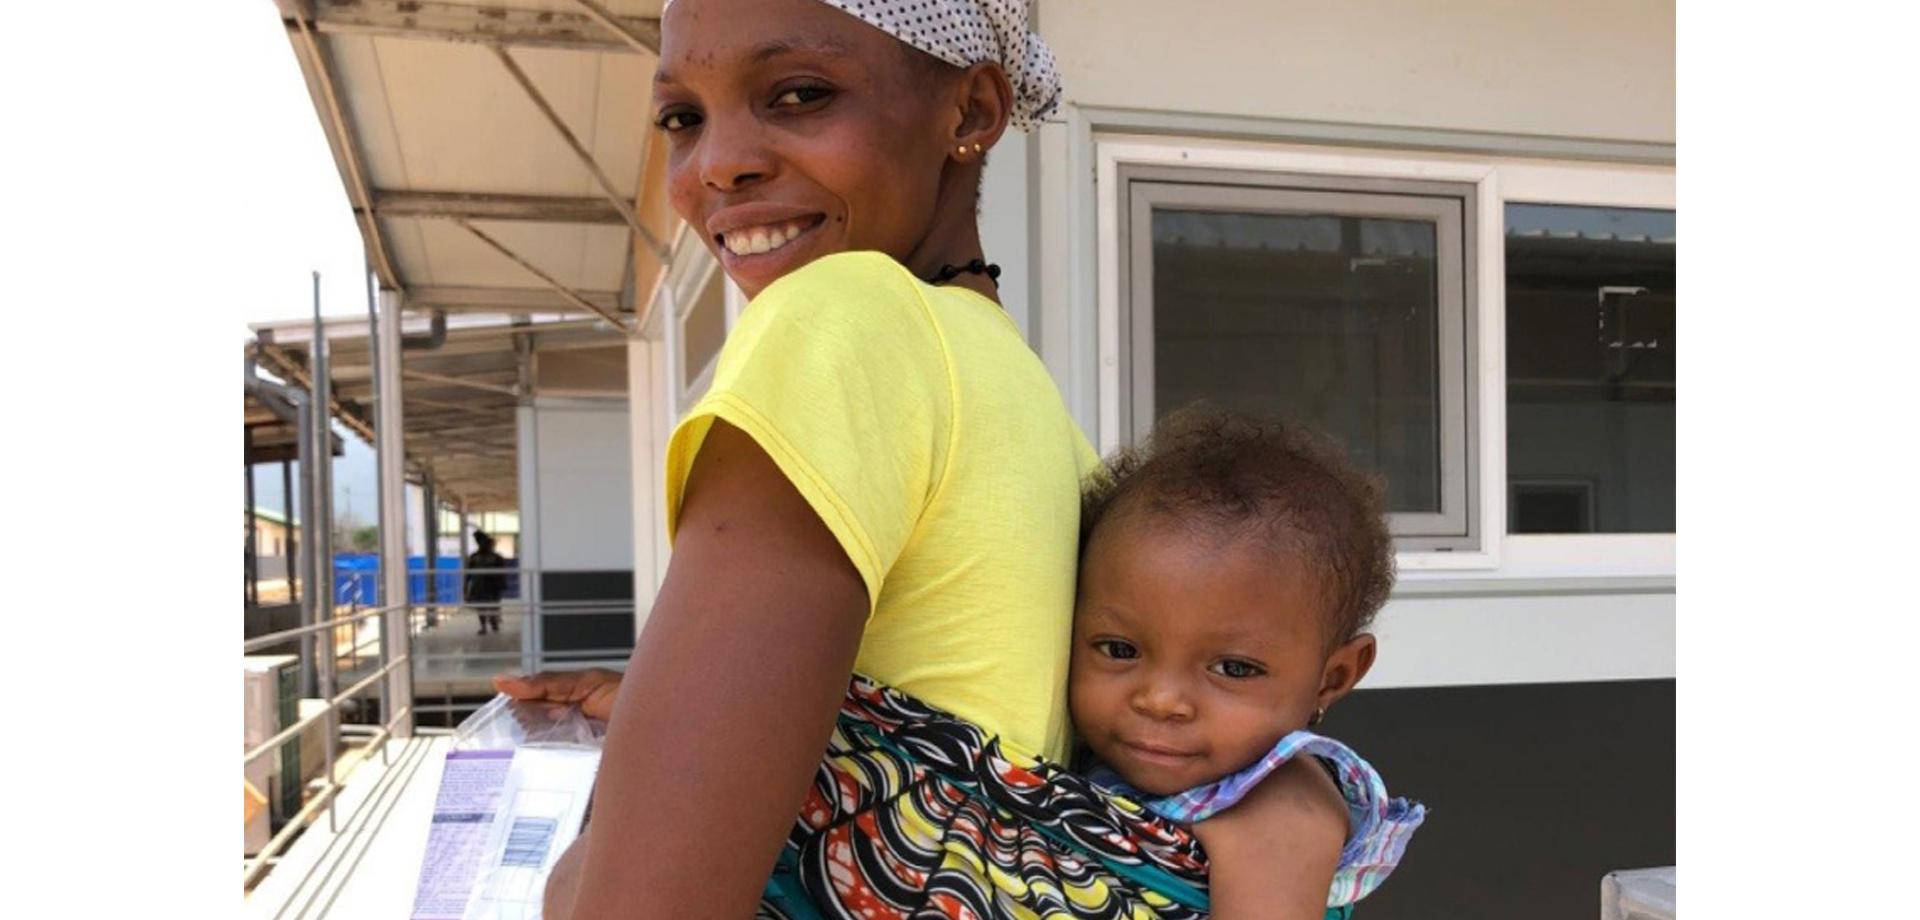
(1273, 853)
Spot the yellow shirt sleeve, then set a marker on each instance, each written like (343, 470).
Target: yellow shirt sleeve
(839, 373)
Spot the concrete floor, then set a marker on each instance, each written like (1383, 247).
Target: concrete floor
(450, 657)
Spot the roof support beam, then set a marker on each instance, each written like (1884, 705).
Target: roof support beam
(482, 206)
(298, 18)
(644, 40)
(504, 411)
(460, 22)
(509, 300)
(288, 369)
(613, 195)
(458, 382)
(552, 282)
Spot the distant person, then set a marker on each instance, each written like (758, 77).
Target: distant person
(486, 583)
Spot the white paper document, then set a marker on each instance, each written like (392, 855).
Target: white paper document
(462, 821)
(501, 819)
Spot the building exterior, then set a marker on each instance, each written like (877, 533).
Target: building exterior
(270, 530)
(1445, 232)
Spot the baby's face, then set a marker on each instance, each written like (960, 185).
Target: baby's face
(1192, 653)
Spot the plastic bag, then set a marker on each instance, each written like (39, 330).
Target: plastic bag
(512, 798)
(505, 723)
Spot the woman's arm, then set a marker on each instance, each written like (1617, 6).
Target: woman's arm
(726, 704)
(1273, 854)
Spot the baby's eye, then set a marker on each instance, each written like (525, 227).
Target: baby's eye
(1115, 648)
(801, 95)
(1233, 667)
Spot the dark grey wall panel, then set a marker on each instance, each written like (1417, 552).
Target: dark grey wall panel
(587, 632)
(1535, 791)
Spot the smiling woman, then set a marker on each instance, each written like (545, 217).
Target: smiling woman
(796, 130)
(897, 468)
(874, 511)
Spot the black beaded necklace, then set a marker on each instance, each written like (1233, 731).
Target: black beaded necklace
(976, 267)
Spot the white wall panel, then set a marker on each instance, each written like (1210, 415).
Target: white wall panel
(1006, 222)
(1524, 638)
(585, 503)
(1596, 70)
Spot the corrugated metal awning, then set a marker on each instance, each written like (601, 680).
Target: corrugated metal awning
(494, 157)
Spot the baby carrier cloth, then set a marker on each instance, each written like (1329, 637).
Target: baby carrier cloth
(917, 813)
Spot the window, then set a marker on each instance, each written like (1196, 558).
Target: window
(1345, 303)
(1590, 369)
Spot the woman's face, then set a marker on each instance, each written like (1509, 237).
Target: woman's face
(795, 131)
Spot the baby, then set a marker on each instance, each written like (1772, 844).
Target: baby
(1228, 569)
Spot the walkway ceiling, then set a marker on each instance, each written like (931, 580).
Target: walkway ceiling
(493, 158)
(461, 397)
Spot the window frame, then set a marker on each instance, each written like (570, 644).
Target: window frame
(1496, 180)
(1456, 525)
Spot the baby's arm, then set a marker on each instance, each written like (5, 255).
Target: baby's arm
(1273, 854)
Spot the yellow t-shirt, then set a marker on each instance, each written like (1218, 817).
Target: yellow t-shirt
(933, 444)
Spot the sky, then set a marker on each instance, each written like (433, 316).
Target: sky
(300, 220)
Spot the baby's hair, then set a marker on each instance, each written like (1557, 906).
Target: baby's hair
(1241, 472)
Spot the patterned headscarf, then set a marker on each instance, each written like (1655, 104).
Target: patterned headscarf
(964, 33)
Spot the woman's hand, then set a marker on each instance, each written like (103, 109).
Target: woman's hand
(1273, 854)
(592, 689)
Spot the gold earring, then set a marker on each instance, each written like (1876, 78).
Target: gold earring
(1318, 714)
(976, 148)
(962, 150)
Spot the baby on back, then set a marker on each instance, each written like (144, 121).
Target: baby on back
(1229, 569)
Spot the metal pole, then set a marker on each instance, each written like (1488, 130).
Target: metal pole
(466, 550)
(387, 708)
(309, 602)
(394, 632)
(286, 502)
(532, 590)
(253, 524)
(322, 591)
(432, 521)
(322, 585)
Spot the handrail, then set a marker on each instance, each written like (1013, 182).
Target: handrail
(275, 638)
(534, 610)
(333, 705)
(329, 715)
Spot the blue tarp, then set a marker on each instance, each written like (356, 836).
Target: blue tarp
(356, 579)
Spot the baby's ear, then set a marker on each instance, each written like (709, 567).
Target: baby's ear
(1345, 668)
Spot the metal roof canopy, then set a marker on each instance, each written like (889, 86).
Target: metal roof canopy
(492, 157)
(459, 397)
(271, 439)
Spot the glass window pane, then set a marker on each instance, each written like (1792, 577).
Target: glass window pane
(1590, 369)
(705, 328)
(1329, 319)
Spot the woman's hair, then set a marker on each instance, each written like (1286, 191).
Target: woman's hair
(1244, 473)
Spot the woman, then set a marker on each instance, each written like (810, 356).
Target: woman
(882, 479)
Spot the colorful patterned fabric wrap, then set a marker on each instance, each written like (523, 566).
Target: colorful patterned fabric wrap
(916, 813)
(1378, 826)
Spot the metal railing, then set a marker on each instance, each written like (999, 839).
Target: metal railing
(442, 660)
(329, 716)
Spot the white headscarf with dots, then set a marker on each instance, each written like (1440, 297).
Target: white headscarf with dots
(964, 33)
